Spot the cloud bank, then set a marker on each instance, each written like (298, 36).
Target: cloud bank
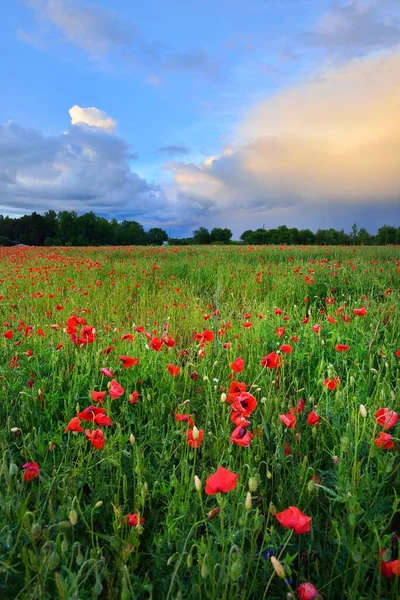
(330, 145)
(86, 168)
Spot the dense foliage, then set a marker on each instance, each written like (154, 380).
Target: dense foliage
(199, 423)
(67, 228)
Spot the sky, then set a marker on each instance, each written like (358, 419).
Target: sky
(214, 113)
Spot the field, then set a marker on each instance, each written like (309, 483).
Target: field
(281, 365)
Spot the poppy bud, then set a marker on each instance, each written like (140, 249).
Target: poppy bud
(15, 430)
(195, 433)
(73, 517)
(189, 560)
(204, 570)
(36, 531)
(132, 439)
(13, 469)
(248, 503)
(236, 570)
(197, 484)
(269, 475)
(213, 513)
(263, 400)
(205, 378)
(278, 568)
(223, 397)
(363, 411)
(272, 508)
(98, 504)
(253, 484)
(64, 545)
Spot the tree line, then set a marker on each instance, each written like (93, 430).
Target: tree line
(67, 228)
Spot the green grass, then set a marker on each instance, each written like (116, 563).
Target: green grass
(65, 535)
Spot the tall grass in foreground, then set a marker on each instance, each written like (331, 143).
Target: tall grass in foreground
(66, 534)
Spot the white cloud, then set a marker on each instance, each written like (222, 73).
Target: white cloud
(91, 116)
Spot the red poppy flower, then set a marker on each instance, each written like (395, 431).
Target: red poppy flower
(280, 332)
(271, 361)
(106, 372)
(286, 348)
(313, 418)
(97, 396)
(398, 353)
(134, 520)
(293, 518)
(237, 365)
(384, 441)
(342, 347)
(239, 419)
(108, 350)
(300, 405)
(307, 591)
(128, 361)
(115, 390)
(305, 321)
(360, 312)
(287, 449)
(103, 421)
(389, 568)
(332, 319)
(31, 470)
(316, 328)
(184, 419)
(278, 311)
(134, 397)
(126, 337)
(205, 336)
(222, 481)
(174, 370)
(289, 420)
(241, 436)
(244, 403)
(332, 383)
(96, 438)
(194, 443)
(90, 413)
(386, 417)
(8, 335)
(155, 344)
(74, 425)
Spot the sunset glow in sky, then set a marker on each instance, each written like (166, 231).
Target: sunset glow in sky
(221, 113)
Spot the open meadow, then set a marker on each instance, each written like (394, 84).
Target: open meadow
(199, 423)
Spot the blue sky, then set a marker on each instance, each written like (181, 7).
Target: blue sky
(203, 112)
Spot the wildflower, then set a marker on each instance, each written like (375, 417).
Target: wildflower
(293, 518)
(241, 436)
(174, 370)
(115, 389)
(31, 470)
(384, 441)
(134, 397)
(271, 361)
(244, 403)
(222, 481)
(342, 347)
(106, 372)
(90, 413)
(313, 418)
(237, 365)
(97, 396)
(185, 419)
(286, 348)
(74, 425)
(307, 591)
(197, 483)
(331, 383)
(363, 411)
(96, 438)
(289, 420)
(134, 520)
(316, 328)
(280, 332)
(194, 437)
(128, 361)
(386, 417)
(360, 312)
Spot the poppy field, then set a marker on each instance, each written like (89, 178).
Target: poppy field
(199, 422)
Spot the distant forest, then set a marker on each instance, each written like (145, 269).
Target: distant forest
(67, 228)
